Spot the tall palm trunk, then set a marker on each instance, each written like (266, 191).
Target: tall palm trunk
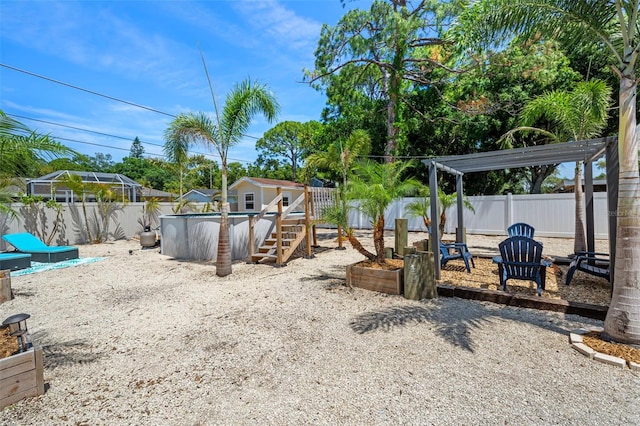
(579, 240)
(223, 261)
(622, 323)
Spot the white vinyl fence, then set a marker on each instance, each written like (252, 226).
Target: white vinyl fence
(123, 223)
(552, 215)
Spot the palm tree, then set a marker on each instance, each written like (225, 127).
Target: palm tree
(615, 26)
(340, 157)
(578, 114)
(20, 145)
(421, 206)
(176, 150)
(242, 103)
(22, 150)
(373, 187)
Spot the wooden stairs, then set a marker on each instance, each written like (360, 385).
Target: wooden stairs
(292, 234)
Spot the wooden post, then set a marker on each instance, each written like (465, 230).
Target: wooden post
(413, 276)
(5, 286)
(401, 235)
(279, 229)
(388, 253)
(315, 236)
(340, 238)
(307, 221)
(430, 285)
(251, 238)
(422, 245)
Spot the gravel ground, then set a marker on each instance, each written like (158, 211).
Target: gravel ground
(147, 340)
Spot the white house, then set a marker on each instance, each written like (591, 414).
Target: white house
(254, 194)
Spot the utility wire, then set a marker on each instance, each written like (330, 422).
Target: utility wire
(209, 154)
(97, 93)
(86, 90)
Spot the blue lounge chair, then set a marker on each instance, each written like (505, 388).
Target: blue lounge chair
(452, 251)
(521, 230)
(40, 252)
(590, 262)
(14, 261)
(521, 259)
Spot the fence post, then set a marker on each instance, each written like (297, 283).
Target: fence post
(508, 213)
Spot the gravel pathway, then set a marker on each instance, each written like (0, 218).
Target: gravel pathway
(142, 339)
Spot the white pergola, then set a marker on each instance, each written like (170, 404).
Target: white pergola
(586, 151)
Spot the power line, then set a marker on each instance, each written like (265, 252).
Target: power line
(86, 90)
(97, 93)
(112, 136)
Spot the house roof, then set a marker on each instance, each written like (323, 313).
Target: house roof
(567, 185)
(267, 183)
(150, 192)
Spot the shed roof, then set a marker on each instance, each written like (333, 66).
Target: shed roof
(269, 183)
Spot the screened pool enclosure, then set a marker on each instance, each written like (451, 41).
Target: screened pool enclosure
(52, 186)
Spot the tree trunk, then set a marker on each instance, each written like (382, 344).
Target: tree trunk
(355, 243)
(579, 239)
(622, 323)
(392, 84)
(223, 260)
(378, 239)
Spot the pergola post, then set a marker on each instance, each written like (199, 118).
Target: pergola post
(434, 237)
(588, 200)
(460, 228)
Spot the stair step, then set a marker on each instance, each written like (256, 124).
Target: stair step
(257, 257)
(274, 240)
(261, 249)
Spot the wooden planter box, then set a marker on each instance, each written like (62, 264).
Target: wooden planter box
(21, 376)
(390, 282)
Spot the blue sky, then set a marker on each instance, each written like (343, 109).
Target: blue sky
(146, 52)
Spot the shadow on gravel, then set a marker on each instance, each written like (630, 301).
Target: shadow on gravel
(453, 319)
(64, 353)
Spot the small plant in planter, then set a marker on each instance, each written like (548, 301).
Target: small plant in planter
(371, 190)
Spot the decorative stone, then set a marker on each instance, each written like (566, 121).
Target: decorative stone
(575, 338)
(584, 349)
(611, 360)
(634, 366)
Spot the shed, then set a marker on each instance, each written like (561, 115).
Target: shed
(254, 194)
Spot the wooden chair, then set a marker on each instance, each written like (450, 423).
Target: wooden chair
(452, 251)
(590, 262)
(521, 230)
(521, 259)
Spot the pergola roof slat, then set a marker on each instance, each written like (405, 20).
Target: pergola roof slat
(528, 156)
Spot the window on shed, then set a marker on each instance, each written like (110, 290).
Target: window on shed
(249, 201)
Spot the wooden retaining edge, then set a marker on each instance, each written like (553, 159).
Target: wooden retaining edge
(522, 301)
(21, 376)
